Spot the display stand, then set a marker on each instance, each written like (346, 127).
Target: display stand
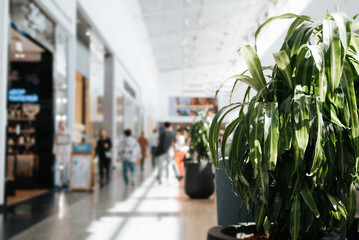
(82, 168)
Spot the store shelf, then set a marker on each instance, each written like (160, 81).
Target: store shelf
(21, 145)
(22, 132)
(21, 119)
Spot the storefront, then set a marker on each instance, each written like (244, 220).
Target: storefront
(90, 81)
(37, 99)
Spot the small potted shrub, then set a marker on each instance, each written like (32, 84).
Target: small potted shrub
(294, 156)
(199, 175)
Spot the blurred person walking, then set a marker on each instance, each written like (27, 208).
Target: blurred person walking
(103, 151)
(166, 152)
(62, 151)
(129, 153)
(142, 140)
(154, 145)
(182, 149)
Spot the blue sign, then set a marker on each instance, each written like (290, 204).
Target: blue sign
(82, 148)
(19, 95)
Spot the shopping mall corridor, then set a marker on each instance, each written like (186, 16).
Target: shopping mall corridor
(147, 211)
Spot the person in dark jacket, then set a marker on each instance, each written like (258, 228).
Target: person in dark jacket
(103, 151)
(166, 152)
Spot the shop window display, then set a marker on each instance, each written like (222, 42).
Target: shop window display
(30, 116)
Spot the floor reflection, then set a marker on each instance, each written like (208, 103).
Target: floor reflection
(152, 211)
(146, 211)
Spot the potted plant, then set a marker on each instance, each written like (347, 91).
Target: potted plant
(199, 175)
(294, 156)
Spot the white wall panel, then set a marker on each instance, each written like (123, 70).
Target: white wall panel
(4, 37)
(62, 11)
(124, 35)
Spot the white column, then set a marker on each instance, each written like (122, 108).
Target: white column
(110, 104)
(71, 85)
(4, 43)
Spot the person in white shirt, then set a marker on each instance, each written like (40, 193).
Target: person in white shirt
(62, 151)
(129, 154)
(153, 145)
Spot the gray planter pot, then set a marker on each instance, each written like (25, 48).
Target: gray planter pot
(228, 204)
(230, 233)
(228, 208)
(199, 179)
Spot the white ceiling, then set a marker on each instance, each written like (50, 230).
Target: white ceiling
(199, 39)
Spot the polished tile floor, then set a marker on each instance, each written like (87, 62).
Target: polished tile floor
(147, 211)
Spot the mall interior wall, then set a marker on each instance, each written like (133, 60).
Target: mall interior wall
(63, 12)
(125, 36)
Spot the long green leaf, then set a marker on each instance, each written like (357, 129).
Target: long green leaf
(295, 218)
(255, 68)
(260, 214)
(352, 197)
(293, 27)
(334, 54)
(229, 130)
(301, 105)
(343, 24)
(286, 129)
(304, 68)
(271, 134)
(318, 151)
(340, 211)
(228, 79)
(266, 225)
(283, 63)
(238, 153)
(341, 156)
(309, 200)
(256, 133)
(298, 39)
(215, 128)
(317, 53)
(349, 89)
(248, 80)
(283, 16)
(334, 116)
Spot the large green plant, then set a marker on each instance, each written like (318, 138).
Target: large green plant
(294, 156)
(199, 133)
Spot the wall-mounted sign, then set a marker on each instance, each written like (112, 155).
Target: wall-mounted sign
(82, 148)
(191, 106)
(28, 17)
(19, 95)
(129, 89)
(36, 18)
